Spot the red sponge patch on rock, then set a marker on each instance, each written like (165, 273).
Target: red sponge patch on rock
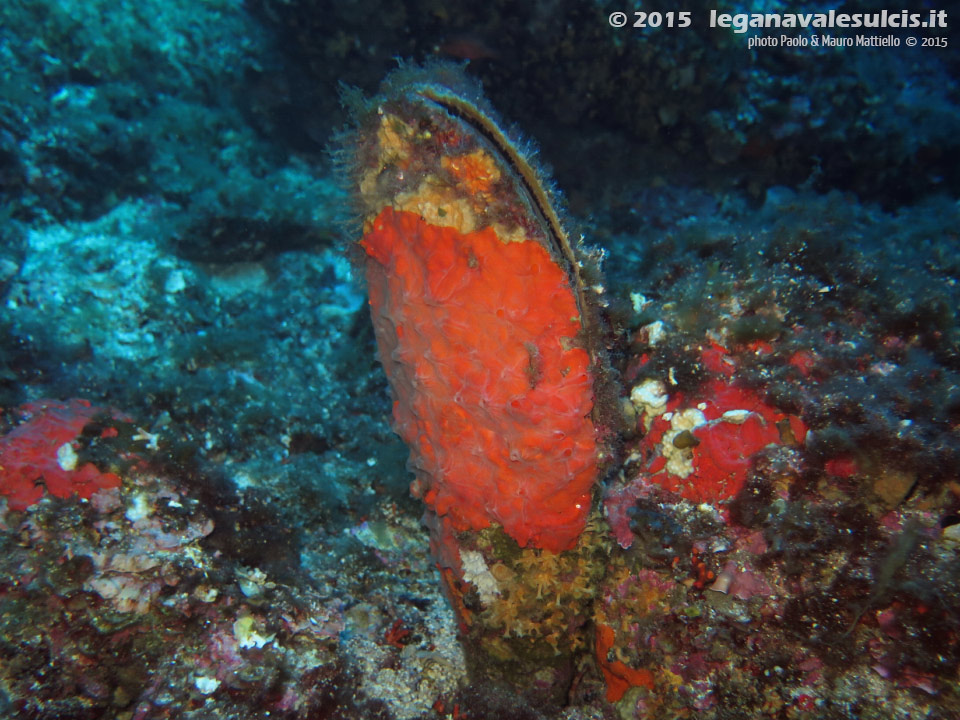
(492, 390)
(38, 457)
(703, 449)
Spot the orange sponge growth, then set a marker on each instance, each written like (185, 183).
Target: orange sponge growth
(492, 390)
(618, 676)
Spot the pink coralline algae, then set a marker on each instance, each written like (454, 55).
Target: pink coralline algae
(38, 456)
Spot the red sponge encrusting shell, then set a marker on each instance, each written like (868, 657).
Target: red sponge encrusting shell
(492, 389)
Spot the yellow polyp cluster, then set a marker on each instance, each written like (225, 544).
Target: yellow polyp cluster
(543, 595)
(640, 594)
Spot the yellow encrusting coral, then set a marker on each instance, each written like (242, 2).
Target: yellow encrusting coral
(544, 595)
